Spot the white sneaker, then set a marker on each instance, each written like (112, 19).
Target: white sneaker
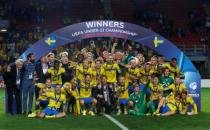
(119, 112)
(84, 112)
(32, 115)
(148, 114)
(91, 113)
(125, 111)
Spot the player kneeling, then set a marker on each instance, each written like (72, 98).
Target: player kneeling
(87, 103)
(137, 103)
(57, 101)
(122, 95)
(155, 88)
(167, 105)
(71, 91)
(42, 101)
(187, 103)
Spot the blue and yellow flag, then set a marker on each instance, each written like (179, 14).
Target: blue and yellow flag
(51, 40)
(157, 41)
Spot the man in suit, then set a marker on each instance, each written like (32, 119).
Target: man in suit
(102, 93)
(41, 70)
(13, 79)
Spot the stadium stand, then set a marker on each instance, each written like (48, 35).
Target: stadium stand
(36, 18)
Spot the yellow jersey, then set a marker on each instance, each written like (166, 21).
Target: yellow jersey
(72, 64)
(96, 75)
(111, 72)
(92, 64)
(187, 102)
(81, 72)
(56, 75)
(85, 90)
(132, 74)
(144, 75)
(171, 102)
(122, 91)
(172, 69)
(56, 100)
(40, 85)
(43, 91)
(154, 68)
(177, 88)
(155, 90)
(178, 105)
(67, 89)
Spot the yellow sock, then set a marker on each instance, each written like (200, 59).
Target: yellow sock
(53, 116)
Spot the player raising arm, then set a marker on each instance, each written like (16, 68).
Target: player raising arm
(137, 101)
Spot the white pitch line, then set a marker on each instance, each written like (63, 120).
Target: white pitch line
(116, 122)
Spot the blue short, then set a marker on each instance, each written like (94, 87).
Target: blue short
(164, 109)
(155, 103)
(123, 101)
(50, 111)
(141, 87)
(87, 100)
(43, 103)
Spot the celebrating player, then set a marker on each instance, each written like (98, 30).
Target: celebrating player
(87, 102)
(57, 104)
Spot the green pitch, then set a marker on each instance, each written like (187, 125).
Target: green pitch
(178, 122)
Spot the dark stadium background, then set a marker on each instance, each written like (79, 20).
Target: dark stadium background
(184, 22)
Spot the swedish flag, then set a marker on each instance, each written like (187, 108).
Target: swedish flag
(157, 41)
(51, 40)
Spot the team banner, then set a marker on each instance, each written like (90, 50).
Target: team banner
(124, 30)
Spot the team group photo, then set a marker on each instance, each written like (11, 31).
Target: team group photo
(104, 64)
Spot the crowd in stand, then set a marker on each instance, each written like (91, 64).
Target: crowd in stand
(34, 11)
